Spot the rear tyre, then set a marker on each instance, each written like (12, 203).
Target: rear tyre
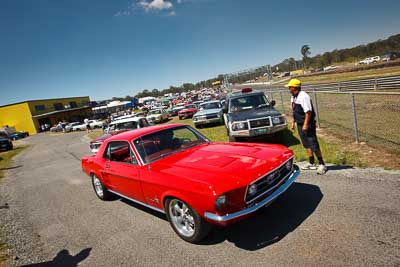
(100, 190)
(185, 221)
(232, 139)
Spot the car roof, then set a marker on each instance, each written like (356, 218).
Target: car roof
(213, 101)
(133, 134)
(136, 119)
(240, 93)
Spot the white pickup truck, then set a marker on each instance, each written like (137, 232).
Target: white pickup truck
(370, 60)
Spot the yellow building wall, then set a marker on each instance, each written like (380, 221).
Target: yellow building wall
(19, 116)
(48, 103)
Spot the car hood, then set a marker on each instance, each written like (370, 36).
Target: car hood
(187, 110)
(224, 166)
(208, 111)
(253, 114)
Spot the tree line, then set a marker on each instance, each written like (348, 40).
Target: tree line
(319, 61)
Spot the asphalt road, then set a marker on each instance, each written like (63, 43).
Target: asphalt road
(349, 217)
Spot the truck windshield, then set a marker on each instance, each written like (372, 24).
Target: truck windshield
(248, 102)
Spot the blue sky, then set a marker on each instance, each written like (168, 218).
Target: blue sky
(108, 48)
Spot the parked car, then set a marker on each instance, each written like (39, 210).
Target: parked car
(5, 144)
(174, 169)
(187, 112)
(117, 127)
(69, 126)
(328, 68)
(79, 127)
(209, 113)
(157, 115)
(18, 135)
(390, 56)
(56, 128)
(96, 124)
(284, 74)
(175, 110)
(249, 114)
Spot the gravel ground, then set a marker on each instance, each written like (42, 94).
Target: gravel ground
(348, 217)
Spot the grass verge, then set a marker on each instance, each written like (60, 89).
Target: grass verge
(6, 158)
(333, 153)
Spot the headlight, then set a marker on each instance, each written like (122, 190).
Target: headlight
(239, 126)
(288, 165)
(220, 203)
(194, 118)
(276, 120)
(252, 189)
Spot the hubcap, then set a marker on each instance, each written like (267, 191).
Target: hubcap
(181, 217)
(97, 186)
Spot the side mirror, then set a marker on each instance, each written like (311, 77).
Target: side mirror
(273, 103)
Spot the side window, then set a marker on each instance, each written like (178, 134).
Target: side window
(120, 151)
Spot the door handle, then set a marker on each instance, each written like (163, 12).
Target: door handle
(106, 166)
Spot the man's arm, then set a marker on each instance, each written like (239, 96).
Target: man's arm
(306, 121)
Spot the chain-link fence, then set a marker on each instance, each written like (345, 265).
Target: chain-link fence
(371, 117)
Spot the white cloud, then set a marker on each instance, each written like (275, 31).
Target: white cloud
(155, 4)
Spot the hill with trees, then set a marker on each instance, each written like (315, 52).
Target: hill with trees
(353, 54)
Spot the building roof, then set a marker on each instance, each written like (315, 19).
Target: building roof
(59, 111)
(46, 99)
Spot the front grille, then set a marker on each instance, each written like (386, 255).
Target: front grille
(269, 181)
(212, 116)
(260, 123)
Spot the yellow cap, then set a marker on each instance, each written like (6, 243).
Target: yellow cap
(294, 83)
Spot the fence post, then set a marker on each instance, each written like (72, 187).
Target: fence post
(316, 108)
(283, 106)
(375, 84)
(353, 106)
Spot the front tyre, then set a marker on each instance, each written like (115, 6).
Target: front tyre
(99, 188)
(185, 221)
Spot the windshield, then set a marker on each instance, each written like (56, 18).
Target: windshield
(190, 106)
(157, 111)
(124, 126)
(210, 105)
(167, 142)
(248, 102)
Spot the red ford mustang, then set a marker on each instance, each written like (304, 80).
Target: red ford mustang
(175, 170)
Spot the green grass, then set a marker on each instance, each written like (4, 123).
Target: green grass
(346, 76)
(95, 134)
(6, 158)
(331, 152)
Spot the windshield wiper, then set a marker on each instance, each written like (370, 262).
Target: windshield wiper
(262, 105)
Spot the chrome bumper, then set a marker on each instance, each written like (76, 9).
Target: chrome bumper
(255, 207)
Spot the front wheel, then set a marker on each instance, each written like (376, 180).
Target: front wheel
(185, 221)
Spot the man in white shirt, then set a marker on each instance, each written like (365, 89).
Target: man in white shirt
(304, 117)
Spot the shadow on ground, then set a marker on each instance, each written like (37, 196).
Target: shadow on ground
(10, 168)
(271, 224)
(284, 137)
(142, 208)
(64, 259)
